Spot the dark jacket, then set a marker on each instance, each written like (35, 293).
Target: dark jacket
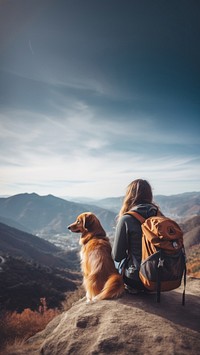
(129, 234)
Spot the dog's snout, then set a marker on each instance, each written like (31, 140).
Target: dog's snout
(69, 227)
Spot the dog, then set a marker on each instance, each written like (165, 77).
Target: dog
(101, 280)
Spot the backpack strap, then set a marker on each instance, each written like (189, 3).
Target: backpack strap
(158, 281)
(131, 256)
(184, 285)
(137, 216)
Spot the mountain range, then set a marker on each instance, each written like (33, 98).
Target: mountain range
(179, 206)
(50, 215)
(47, 215)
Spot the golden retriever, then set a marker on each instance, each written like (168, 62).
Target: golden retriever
(100, 277)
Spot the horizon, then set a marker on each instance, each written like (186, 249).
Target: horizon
(85, 198)
(96, 94)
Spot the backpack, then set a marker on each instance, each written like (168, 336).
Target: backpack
(163, 263)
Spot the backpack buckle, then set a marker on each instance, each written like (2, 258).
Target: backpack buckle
(160, 262)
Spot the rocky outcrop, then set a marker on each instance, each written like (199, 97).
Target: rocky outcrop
(132, 324)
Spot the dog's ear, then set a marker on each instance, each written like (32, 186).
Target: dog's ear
(93, 225)
(84, 217)
(89, 220)
(84, 221)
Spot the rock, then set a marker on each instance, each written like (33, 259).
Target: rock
(132, 324)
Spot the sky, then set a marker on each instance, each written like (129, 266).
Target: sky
(97, 93)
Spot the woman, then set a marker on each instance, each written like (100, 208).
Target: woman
(128, 236)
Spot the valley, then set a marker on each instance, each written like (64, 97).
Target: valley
(39, 257)
(64, 241)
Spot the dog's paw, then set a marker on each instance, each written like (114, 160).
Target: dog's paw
(88, 301)
(95, 299)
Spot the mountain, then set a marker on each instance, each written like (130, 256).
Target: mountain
(21, 244)
(128, 325)
(192, 237)
(190, 224)
(111, 203)
(183, 205)
(191, 230)
(10, 222)
(48, 214)
(24, 282)
(31, 267)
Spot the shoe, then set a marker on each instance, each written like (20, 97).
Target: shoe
(131, 290)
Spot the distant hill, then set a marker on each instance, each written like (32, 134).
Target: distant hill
(111, 203)
(10, 222)
(192, 237)
(21, 244)
(190, 223)
(183, 205)
(191, 230)
(48, 214)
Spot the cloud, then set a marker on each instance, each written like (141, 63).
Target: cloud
(79, 132)
(88, 104)
(79, 154)
(103, 176)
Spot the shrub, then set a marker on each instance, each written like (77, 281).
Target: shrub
(23, 325)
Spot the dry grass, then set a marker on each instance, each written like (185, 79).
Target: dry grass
(17, 327)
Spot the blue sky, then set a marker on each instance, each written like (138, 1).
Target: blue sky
(94, 94)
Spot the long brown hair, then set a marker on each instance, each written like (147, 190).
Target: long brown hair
(138, 191)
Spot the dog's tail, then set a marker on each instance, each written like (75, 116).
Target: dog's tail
(113, 288)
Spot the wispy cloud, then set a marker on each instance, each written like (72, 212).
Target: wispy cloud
(77, 154)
